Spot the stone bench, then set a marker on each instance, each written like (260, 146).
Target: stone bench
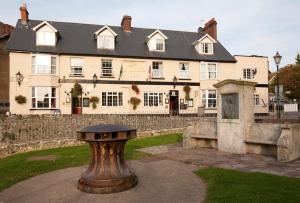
(263, 142)
(203, 136)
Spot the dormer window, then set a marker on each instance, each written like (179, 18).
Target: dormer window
(205, 45)
(156, 41)
(105, 38)
(46, 34)
(106, 42)
(159, 44)
(207, 48)
(45, 38)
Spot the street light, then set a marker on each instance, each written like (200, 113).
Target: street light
(94, 79)
(19, 77)
(277, 59)
(174, 81)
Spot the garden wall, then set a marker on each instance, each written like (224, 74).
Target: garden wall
(32, 132)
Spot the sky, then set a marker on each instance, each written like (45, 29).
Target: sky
(245, 27)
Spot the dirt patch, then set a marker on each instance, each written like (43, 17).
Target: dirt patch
(42, 158)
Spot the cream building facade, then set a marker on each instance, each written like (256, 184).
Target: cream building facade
(162, 64)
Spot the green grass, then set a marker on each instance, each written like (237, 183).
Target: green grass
(226, 185)
(16, 168)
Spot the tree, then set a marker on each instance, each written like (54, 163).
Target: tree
(298, 59)
(289, 77)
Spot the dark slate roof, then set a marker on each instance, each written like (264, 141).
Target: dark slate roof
(78, 39)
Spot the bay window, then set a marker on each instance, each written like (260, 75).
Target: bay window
(209, 98)
(153, 99)
(184, 71)
(112, 99)
(43, 64)
(43, 97)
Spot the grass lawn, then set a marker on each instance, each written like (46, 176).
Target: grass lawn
(226, 185)
(16, 168)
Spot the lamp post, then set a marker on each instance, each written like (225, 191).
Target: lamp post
(19, 77)
(277, 59)
(174, 81)
(94, 79)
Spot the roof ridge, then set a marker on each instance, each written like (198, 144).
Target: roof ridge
(184, 31)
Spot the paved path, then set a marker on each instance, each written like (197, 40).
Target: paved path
(210, 157)
(159, 181)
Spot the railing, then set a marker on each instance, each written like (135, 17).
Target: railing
(290, 107)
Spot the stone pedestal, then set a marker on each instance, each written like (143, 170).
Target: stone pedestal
(235, 114)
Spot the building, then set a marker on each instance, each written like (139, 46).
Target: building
(100, 69)
(5, 32)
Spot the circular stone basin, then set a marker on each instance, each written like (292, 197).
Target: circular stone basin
(107, 171)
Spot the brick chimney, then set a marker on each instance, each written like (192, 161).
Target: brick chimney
(211, 28)
(24, 14)
(126, 23)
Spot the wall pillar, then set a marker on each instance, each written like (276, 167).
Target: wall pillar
(235, 108)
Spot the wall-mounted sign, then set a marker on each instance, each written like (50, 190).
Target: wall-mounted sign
(230, 106)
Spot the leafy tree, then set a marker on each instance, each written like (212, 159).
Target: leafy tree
(298, 59)
(289, 77)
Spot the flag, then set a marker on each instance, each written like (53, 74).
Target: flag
(149, 73)
(121, 72)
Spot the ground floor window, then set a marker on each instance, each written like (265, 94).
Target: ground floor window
(43, 97)
(209, 98)
(153, 99)
(256, 99)
(112, 99)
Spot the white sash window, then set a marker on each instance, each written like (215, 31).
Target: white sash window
(43, 64)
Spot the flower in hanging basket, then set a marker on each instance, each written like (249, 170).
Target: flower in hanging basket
(20, 99)
(94, 100)
(187, 90)
(135, 102)
(135, 88)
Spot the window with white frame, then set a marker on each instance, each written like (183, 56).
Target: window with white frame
(184, 71)
(206, 48)
(256, 99)
(157, 69)
(43, 97)
(43, 64)
(209, 98)
(45, 38)
(76, 66)
(159, 44)
(106, 42)
(153, 99)
(248, 73)
(112, 99)
(208, 71)
(106, 68)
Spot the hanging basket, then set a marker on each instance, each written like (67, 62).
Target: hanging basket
(135, 102)
(20, 99)
(94, 100)
(187, 90)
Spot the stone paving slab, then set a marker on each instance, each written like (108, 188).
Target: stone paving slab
(159, 181)
(203, 157)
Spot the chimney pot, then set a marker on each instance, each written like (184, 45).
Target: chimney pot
(211, 28)
(126, 23)
(24, 14)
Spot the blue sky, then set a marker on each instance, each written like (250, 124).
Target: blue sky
(247, 27)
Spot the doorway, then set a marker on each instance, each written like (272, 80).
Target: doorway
(174, 102)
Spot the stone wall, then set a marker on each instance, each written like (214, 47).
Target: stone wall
(25, 133)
